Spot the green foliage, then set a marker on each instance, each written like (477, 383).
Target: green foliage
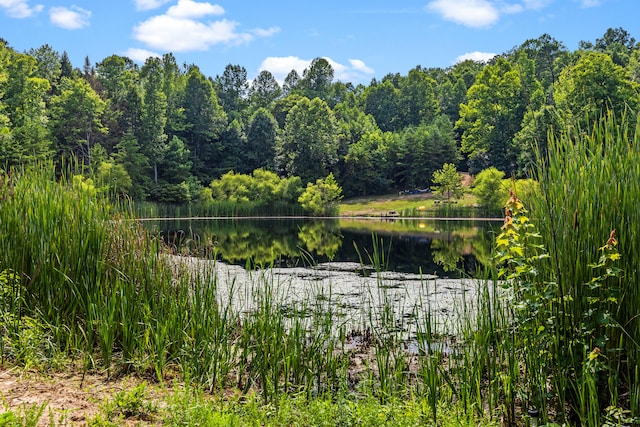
(488, 187)
(27, 416)
(113, 177)
(309, 145)
(262, 192)
(448, 182)
(76, 119)
(366, 165)
(593, 86)
(130, 404)
(321, 198)
(503, 112)
(492, 115)
(562, 340)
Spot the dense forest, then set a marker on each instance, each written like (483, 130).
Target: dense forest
(164, 131)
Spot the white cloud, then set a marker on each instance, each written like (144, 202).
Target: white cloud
(140, 55)
(281, 66)
(182, 35)
(72, 18)
(475, 56)
(471, 13)
(192, 9)
(181, 30)
(484, 13)
(359, 65)
(19, 8)
(149, 4)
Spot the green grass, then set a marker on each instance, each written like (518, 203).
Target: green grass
(413, 205)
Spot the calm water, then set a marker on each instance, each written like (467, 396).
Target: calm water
(446, 248)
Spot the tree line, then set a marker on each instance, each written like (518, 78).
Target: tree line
(164, 132)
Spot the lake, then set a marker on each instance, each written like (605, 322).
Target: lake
(442, 247)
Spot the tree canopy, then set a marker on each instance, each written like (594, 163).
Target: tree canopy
(165, 131)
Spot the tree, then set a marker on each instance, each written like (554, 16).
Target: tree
(232, 89)
(367, 165)
(316, 80)
(48, 64)
(128, 153)
(264, 90)
(291, 83)
(617, 43)
(487, 186)
(24, 98)
(260, 149)
(234, 145)
(113, 177)
(382, 102)
(448, 182)
(173, 87)
(595, 84)
(309, 143)
(117, 78)
(154, 114)
(76, 118)
(321, 198)
(417, 99)
(496, 104)
(176, 162)
(66, 69)
(545, 51)
(282, 107)
(418, 151)
(205, 122)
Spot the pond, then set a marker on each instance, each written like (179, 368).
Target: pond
(421, 267)
(442, 247)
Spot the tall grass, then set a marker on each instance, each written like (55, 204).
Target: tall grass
(590, 185)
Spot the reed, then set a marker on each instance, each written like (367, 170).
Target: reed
(82, 276)
(589, 186)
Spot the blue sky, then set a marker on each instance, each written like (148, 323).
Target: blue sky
(361, 39)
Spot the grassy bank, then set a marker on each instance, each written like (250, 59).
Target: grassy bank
(408, 205)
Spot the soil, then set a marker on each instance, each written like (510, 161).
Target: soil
(70, 398)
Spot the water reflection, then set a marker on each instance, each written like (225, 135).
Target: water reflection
(442, 247)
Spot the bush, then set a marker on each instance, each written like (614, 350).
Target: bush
(488, 187)
(321, 198)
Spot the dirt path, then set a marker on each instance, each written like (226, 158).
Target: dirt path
(69, 398)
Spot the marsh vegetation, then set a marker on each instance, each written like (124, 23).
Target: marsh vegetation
(551, 325)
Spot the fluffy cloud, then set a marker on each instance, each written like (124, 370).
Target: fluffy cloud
(140, 55)
(475, 56)
(280, 66)
(359, 65)
(471, 13)
(72, 18)
(192, 9)
(19, 8)
(181, 29)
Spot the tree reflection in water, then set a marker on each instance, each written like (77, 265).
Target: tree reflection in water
(444, 248)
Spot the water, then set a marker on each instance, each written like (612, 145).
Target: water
(445, 248)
